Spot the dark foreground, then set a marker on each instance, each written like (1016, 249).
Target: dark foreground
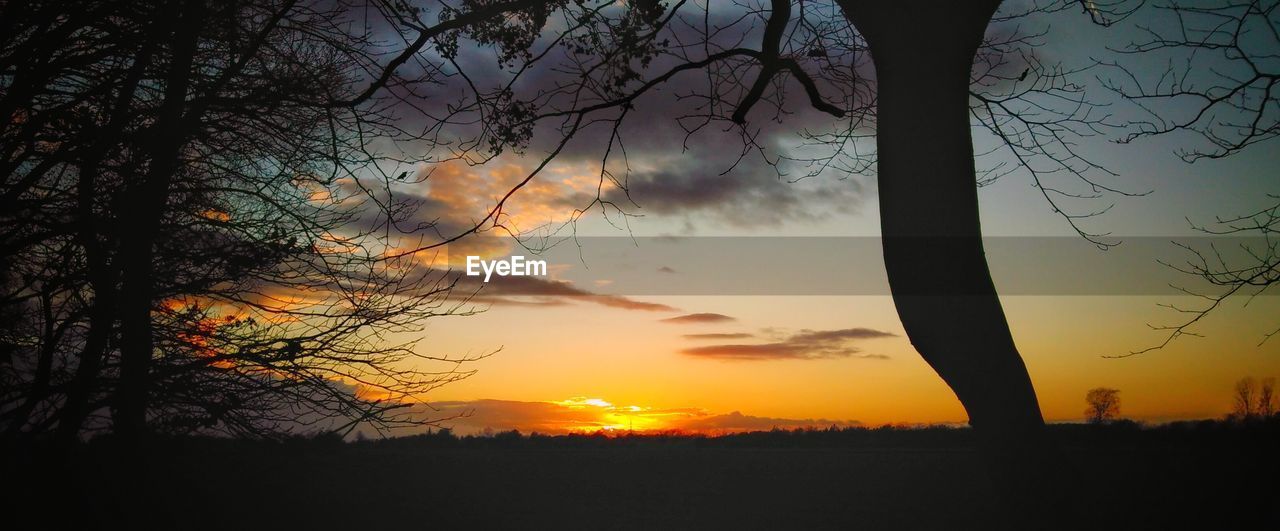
(1208, 476)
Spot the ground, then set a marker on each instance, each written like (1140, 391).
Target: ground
(1130, 481)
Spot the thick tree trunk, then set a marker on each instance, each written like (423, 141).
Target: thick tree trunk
(102, 276)
(923, 52)
(102, 270)
(148, 198)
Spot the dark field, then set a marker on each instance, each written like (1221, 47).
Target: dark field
(1213, 478)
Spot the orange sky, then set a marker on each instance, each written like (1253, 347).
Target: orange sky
(578, 363)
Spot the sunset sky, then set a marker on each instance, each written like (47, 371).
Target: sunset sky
(579, 353)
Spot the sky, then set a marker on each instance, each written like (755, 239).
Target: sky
(779, 315)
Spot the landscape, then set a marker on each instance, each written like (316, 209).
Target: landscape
(640, 264)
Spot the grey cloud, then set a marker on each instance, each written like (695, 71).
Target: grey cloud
(699, 318)
(739, 335)
(751, 196)
(803, 345)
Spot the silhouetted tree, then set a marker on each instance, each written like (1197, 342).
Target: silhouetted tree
(1245, 403)
(1218, 89)
(1253, 400)
(601, 60)
(918, 104)
(1104, 405)
(867, 66)
(196, 211)
(1267, 398)
(920, 108)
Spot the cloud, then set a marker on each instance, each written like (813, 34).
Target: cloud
(822, 336)
(803, 345)
(537, 291)
(541, 417)
(581, 414)
(752, 195)
(527, 302)
(738, 335)
(699, 318)
(670, 181)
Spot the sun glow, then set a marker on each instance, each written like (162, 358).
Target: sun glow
(581, 402)
(602, 415)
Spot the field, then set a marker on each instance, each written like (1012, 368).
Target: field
(903, 479)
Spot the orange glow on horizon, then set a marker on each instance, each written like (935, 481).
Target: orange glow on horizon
(589, 415)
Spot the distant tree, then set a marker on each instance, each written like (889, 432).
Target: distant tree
(1266, 398)
(1253, 400)
(1104, 405)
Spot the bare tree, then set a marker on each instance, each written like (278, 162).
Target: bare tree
(209, 89)
(1253, 399)
(1250, 270)
(1219, 88)
(196, 211)
(917, 99)
(1245, 405)
(1267, 398)
(1103, 405)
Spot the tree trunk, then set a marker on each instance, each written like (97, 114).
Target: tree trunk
(102, 277)
(937, 269)
(147, 200)
(44, 366)
(102, 271)
(923, 53)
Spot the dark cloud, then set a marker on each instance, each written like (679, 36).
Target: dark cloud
(738, 335)
(665, 269)
(803, 345)
(752, 195)
(703, 175)
(699, 318)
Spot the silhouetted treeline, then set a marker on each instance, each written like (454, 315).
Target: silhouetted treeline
(1209, 433)
(1122, 433)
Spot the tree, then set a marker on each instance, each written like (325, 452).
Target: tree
(1104, 405)
(1253, 400)
(1245, 406)
(194, 230)
(1219, 90)
(602, 61)
(951, 313)
(1267, 398)
(919, 105)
